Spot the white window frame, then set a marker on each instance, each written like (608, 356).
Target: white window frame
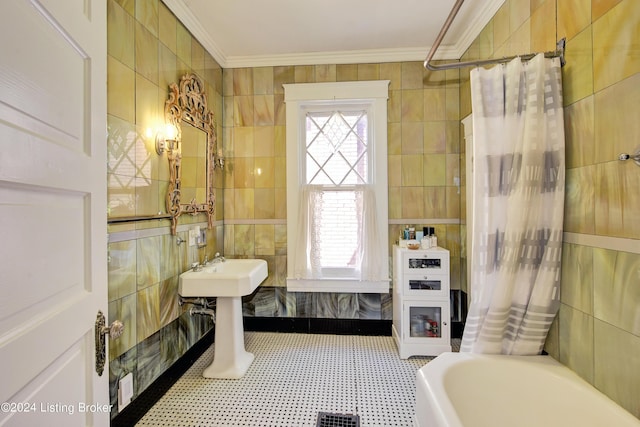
(297, 98)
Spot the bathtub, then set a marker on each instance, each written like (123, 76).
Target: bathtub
(472, 390)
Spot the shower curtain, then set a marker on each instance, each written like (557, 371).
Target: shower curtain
(519, 172)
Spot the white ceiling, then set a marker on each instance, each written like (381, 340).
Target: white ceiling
(251, 33)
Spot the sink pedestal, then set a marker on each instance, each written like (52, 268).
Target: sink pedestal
(230, 359)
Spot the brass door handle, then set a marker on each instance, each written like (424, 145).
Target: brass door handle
(114, 331)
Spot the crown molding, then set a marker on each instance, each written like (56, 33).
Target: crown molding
(191, 23)
(339, 57)
(478, 21)
(445, 52)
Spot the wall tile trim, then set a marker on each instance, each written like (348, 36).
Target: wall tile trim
(255, 222)
(604, 242)
(121, 236)
(403, 221)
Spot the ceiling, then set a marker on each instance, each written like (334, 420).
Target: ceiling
(251, 33)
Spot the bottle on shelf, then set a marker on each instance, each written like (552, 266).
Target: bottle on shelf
(425, 243)
(434, 238)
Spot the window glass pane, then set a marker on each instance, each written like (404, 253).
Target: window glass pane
(337, 144)
(425, 322)
(319, 177)
(339, 215)
(319, 148)
(337, 168)
(425, 285)
(312, 168)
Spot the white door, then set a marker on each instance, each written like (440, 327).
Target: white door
(53, 236)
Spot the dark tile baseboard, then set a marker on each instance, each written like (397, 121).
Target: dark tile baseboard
(141, 404)
(456, 329)
(370, 327)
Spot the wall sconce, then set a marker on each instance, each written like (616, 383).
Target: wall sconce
(218, 161)
(167, 140)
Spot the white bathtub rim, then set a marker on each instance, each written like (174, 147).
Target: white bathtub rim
(442, 408)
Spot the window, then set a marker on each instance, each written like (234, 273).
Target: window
(336, 159)
(337, 187)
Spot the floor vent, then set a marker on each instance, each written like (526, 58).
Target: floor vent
(326, 419)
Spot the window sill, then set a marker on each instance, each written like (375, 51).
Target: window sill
(338, 286)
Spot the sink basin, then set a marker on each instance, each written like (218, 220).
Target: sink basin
(231, 278)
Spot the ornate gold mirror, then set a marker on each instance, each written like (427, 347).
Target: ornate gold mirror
(192, 155)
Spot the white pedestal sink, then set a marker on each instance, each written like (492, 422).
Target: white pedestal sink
(228, 281)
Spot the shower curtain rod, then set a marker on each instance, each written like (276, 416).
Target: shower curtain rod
(559, 52)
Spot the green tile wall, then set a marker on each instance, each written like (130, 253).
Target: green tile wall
(596, 332)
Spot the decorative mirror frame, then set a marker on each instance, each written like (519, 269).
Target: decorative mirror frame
(188, 102)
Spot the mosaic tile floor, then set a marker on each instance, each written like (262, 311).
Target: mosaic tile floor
(293, 377)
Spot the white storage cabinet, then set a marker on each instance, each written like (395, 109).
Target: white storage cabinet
(421, 306)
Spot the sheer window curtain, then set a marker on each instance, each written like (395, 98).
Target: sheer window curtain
(306, 250)
(519, 177)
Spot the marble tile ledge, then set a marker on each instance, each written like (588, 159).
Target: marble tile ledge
(604, 242)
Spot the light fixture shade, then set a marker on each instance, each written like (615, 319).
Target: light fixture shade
(166, 138)
(170, 132)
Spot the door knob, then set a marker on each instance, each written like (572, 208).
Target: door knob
(114, 331)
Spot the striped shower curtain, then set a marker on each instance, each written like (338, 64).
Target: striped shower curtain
(519, 173)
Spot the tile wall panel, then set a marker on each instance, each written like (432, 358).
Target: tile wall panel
(148, 48)
(423, 155)
(595, 332)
